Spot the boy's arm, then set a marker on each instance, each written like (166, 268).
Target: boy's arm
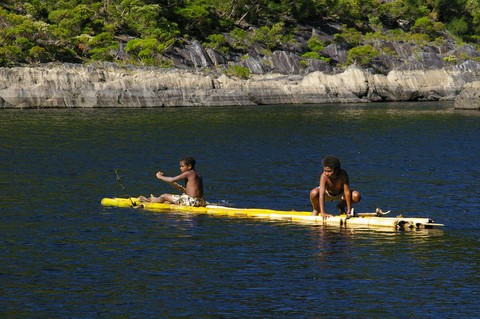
(172, 180)
(321, 196)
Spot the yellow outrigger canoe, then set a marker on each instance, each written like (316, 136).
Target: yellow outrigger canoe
(375, 219)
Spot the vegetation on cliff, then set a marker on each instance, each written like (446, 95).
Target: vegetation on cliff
(145, 32)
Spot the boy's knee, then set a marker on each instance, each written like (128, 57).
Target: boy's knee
(356, 196)
(314, 192)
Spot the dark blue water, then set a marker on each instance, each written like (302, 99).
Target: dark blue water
(65, 256)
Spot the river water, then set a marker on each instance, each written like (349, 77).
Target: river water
(63, 255)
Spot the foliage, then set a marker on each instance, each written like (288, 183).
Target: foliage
(362, 55)
(350, 36)
(458, 26)
(217, 42)
(271, 37)
(148, 51)
(315, 45)
(450, 59)
(315, 56)
(238, 71)
(102, 47)
(36, 31)
(240, 39)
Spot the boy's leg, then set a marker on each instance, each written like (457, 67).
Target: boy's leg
(162, 199)
(143, 198)
(356, 197)
(341, 207)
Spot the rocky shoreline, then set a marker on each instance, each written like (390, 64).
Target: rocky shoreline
(111, 85)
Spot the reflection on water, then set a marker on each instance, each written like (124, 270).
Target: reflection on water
(61, 250)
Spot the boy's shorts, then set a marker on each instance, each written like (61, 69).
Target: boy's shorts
(329, 197)
(186, 200)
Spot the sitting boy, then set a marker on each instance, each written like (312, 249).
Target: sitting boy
(334, 186)
(192, 192)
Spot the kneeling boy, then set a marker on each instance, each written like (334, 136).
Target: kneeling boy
(334, 186)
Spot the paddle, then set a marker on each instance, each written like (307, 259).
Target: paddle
(134, 205)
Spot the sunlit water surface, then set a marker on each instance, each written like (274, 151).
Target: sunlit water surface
(65, 256)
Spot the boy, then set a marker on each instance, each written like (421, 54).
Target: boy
(334, 186)
(193, 190)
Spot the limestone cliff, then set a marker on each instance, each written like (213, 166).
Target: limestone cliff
(109, 85)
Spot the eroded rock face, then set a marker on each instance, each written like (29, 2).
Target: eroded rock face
(109, 85)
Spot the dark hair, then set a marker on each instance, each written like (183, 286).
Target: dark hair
(331, 161)
(188, 160)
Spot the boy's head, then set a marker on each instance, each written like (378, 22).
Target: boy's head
(332, 162)
(188, 161)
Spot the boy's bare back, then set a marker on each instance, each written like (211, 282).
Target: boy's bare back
(193, 183)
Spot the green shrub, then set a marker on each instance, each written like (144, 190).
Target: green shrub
(349, 36)
(238, 71)
(102, 54)
(311, 55)
(422, 25)
(315, 56)
(217, 42)
(458, 26)
(419, 39)
(425, 25)
(38, 54)
(362, 55)
(10, 54)
(450, 59)
(271, 37)
(240, 39)
(315, 44)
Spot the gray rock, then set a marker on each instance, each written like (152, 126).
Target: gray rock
(110, 85)
(255, 65)
(318, 65)
(469, 97)
(286, 62)
(215, 57)
(194, 55)
(336, 52)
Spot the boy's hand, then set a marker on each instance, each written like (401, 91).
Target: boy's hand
(325, 216)
(159, 173)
